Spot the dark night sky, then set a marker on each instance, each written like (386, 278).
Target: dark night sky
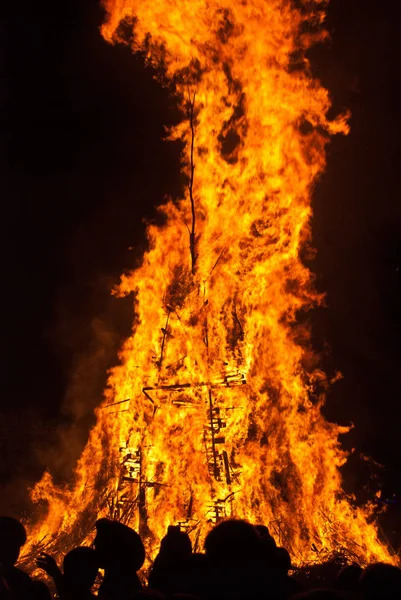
(83, 164)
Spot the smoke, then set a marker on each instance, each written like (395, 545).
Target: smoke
(90, 325)
(89, 368)
(83, 152)
(20, 434)
(90, 331)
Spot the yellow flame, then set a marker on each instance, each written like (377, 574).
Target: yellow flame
(223, 417)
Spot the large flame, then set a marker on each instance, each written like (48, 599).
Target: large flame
(216, 407)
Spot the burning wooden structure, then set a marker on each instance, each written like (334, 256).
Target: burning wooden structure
(225, 392)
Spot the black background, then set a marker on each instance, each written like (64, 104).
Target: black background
(83, 163)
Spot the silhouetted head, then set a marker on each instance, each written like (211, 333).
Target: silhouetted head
(118, 545)
(80, 568)
(176, 543)
(348, 578)
(380, 582)
(233, 541)
(12, 537)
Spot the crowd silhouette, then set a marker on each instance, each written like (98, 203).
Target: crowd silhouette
(240, 562)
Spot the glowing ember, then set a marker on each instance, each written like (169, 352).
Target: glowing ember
(223, 417)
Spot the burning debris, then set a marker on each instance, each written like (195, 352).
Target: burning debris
(223, 418)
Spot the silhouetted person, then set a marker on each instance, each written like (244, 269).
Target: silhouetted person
(80, 568)
(282, 560)
(167, 573)
(195, 576)
(176, 544)
(39, 591)
(14, 583)
(234, 551)
(232, 541)
(268, 545)
(380, 582)
(283, 583)
(348, 578)
(121, 554)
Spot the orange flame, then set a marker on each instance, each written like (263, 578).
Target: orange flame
(217, 401)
